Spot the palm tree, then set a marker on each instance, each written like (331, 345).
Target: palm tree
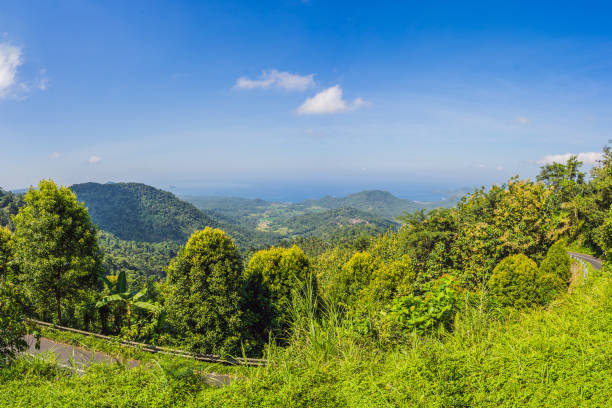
(119, 293)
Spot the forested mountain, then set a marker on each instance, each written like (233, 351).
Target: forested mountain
(381, 203)
(138, 212)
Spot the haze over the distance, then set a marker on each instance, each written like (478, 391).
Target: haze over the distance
(297, 99)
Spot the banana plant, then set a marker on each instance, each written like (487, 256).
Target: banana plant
(119, 293)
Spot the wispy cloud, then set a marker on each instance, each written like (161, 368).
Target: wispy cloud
(277, 79)
(522, 120)
(10, 61)
(588, 158)
(329, 101)
(94, 159)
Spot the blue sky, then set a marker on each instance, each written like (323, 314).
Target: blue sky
(295, 99)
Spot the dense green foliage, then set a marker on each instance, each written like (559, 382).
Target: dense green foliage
(204, 293)
(140, 260)
(514, 282)
(55, 247)
(137, 212)
(276, 217)
(9, 205)
(12, 320)
(466, 306)
(557, 263)
(558, 357)
(337, 223)
(6, 250)
(276, 273)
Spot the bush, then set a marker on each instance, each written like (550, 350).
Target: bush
(557, 262)
(279, 271)
(554, 273)
(424, 314)
(514, 282)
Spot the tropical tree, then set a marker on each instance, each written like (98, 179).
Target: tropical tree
(13, 323)
(121, 294)
(281, 271)
(204, 284)
(6, 250)
(55, 246)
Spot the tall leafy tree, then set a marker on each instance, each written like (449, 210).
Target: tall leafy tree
(280, 271)
(55, 246)
(204, 293)
(6, 250)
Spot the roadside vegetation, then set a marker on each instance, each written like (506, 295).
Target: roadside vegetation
(467, 306)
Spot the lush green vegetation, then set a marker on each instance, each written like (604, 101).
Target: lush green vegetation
(137, 212)
(467, 306)
(553, 357)
(373, 206)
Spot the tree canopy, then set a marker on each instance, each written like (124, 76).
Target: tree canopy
(56, 246)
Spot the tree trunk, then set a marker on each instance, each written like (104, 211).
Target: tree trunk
(129, 316)
(59, 309)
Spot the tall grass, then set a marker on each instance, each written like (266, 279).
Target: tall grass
(558, 356)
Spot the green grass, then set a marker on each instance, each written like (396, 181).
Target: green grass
(553, 357)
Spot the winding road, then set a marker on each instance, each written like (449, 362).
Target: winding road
(78, 359)
(595, 262)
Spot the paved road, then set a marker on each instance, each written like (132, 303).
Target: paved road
(66, 354)
(78, 359)
(595, 263)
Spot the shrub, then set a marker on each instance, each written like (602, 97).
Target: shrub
(354, 277)
(554, 273)
(278, 272)
(557, 262)
(514, 282)
(424, 314)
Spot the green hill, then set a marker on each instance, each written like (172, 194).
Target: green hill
(260, 214)
(381, 203)
(138, 212)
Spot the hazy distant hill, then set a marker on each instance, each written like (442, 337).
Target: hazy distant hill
(381, 203)
(266, 215)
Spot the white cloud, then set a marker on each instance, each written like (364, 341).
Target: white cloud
(277, 79)
(42, 82)
(54, 155)
(522, 120)
(588, 158)
(10, 60)
(328, 101)
(94, 159)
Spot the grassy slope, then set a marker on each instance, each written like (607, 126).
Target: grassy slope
(549, 358)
